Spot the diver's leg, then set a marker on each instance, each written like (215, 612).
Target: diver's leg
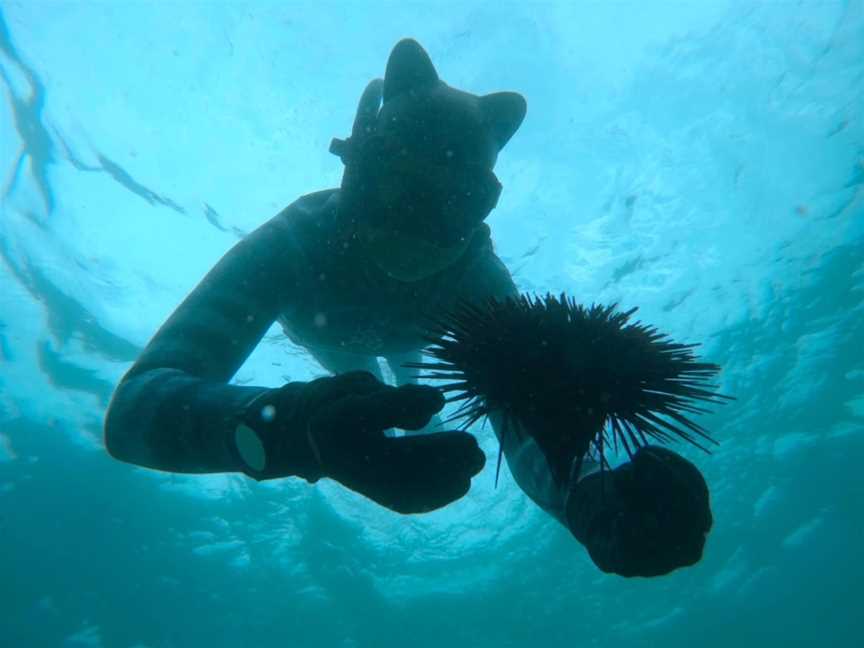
(337, 362)
(407, 376)
(397, 362)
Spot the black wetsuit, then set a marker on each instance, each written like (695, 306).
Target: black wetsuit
(297, 269)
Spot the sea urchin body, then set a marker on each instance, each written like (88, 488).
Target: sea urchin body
(575, 378)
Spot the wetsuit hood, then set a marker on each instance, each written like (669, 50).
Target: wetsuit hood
(419, 163)
(415, 108)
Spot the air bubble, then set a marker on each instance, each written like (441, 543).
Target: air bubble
(268, 413)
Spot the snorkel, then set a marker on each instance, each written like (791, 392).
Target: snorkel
(418, 164)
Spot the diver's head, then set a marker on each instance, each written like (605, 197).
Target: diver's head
(419, 166)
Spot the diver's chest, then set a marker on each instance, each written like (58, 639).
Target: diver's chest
(357, 317)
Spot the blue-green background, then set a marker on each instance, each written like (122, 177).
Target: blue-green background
(701, 160)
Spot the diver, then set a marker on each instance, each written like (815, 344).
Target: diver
(352, 275)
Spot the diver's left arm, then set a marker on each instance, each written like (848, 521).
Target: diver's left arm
(489, 277)
(646, 517)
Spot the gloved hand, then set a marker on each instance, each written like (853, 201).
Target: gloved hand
(648, 517)
(334, 427)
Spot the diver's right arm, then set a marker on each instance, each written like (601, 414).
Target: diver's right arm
(174, 410)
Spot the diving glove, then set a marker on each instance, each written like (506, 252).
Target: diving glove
(647, 517)
(334, 427)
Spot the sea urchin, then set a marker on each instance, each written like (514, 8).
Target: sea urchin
(575, 378)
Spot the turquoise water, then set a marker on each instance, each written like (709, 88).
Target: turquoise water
(703, 161)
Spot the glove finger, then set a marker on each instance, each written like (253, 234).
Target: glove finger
(417, 474)
(409, 407)
(667, 478)
(331, 388)
(668, 514)
(442, 453)
(668, 467)
(650, 545)
(325, 395)
(357, 380)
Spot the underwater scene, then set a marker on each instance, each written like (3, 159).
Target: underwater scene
(459, 323)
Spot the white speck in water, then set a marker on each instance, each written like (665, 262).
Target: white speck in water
(268, 413)
(449, 153)
(320, 320)
(250, 318)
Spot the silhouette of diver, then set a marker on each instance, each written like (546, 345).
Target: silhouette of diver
(351, 275)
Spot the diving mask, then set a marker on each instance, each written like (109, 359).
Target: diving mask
(440, 201)
(409, 258)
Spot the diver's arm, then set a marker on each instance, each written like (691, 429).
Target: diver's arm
(647, 517)
(529, 467)
(174, 410)
(524, 457)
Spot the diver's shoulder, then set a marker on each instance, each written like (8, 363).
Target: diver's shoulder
(482, 239)
(484, 274)
(310, 207)
(480, 248)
